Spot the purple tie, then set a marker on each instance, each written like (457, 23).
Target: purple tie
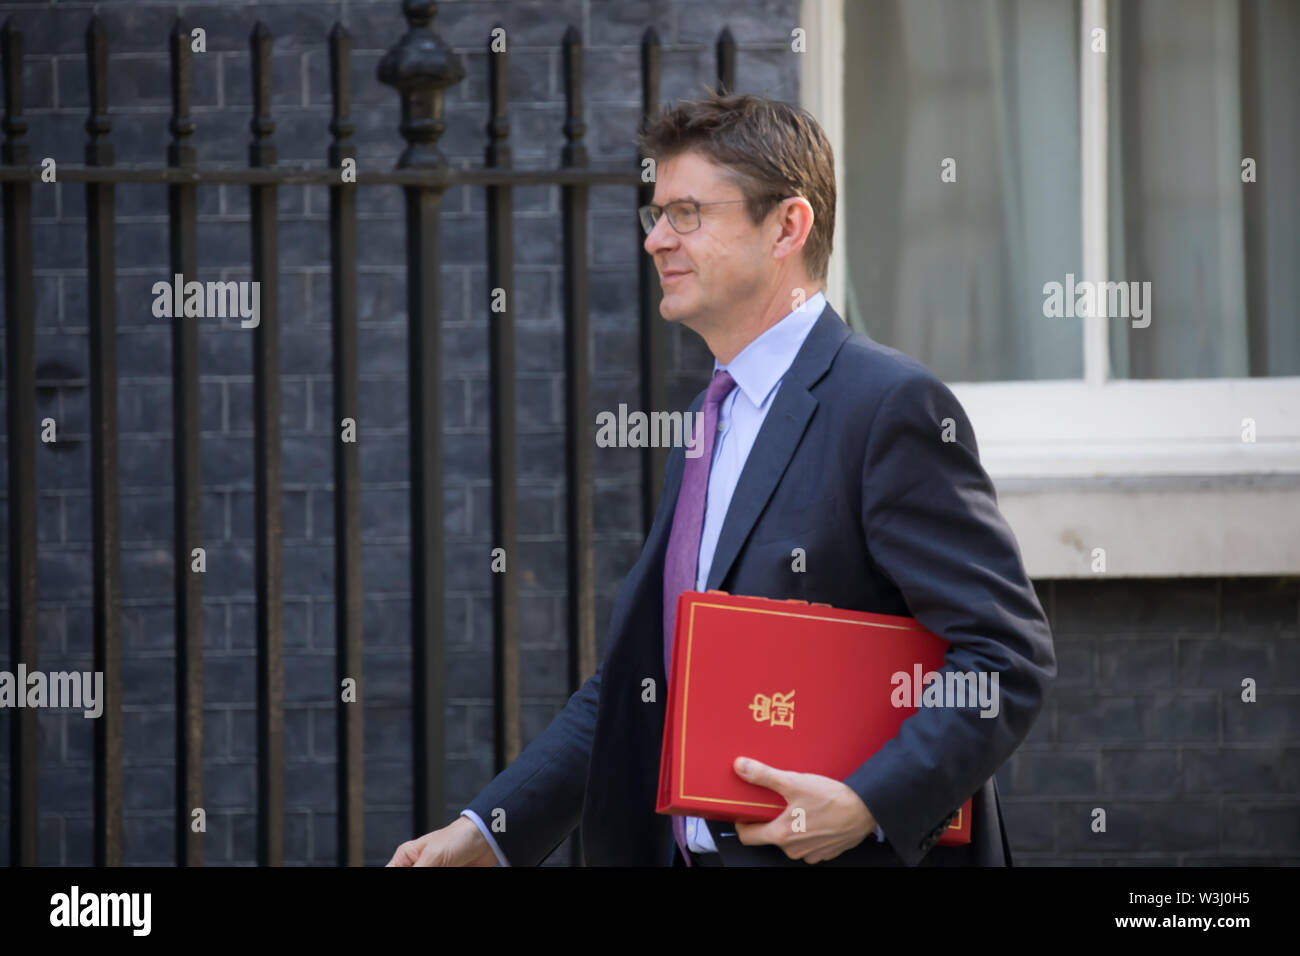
(683, 556)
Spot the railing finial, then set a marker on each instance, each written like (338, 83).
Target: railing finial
(575, 128)
(15, 151)
(341, 128)
(180, 151)
(261, 151)
(421, 66)
(99, 152)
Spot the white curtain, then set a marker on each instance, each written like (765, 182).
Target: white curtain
(953, 273)
(1201, 86)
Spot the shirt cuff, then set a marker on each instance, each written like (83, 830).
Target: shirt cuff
(487, 835)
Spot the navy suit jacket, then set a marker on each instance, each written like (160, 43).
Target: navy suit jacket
(850, 465)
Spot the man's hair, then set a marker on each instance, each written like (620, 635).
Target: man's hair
(769, 149)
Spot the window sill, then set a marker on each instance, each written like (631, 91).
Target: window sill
(1154, 473)
(1164, 526)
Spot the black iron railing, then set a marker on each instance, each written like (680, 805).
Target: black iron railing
(420, 67)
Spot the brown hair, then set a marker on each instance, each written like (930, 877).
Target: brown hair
(769, 149)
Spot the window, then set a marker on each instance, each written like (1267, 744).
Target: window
(988, 150)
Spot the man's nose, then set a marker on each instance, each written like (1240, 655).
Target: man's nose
(662, 236)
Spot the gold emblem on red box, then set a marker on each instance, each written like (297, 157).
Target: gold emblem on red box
(779, 709)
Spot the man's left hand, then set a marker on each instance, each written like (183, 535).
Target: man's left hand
(823, 816)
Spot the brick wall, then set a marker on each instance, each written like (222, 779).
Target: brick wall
(56, 88)
(1146, 721)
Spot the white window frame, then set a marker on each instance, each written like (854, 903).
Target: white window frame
(1159, 474)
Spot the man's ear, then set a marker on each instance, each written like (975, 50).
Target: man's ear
(795, 221)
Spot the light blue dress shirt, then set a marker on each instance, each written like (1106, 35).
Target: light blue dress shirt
(758, 371)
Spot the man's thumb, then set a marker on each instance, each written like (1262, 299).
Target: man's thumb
(755, 772)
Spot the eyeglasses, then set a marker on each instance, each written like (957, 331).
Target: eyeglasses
(683, 214)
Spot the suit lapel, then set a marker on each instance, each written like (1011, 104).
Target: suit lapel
(767, 462)
(656, 543)
(777, 439)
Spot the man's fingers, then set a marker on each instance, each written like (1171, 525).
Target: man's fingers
(760, 774)
(816, 852)
(406, 854)
(435, 853)
(752, 834)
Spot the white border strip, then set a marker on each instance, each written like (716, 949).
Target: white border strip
(1155, 531)
(821, 76)
(1093, 134)
(1147, 427)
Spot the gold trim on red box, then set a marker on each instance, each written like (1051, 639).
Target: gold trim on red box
(686, 680)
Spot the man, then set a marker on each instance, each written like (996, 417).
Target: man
(825, 442)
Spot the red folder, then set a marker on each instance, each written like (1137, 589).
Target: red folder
(797, 686)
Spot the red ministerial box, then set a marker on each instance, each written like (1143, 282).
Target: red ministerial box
(798, 686)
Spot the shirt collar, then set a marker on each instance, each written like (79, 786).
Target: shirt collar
(763, 362)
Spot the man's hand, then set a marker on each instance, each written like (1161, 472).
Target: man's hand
(458, 844)
(822, 819)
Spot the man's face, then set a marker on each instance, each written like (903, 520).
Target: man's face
(712, 272)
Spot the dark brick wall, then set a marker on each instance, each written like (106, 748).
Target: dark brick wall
(56, 86)
(1144, 721)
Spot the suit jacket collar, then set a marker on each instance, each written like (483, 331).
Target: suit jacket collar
(777, 439)
(761, 364)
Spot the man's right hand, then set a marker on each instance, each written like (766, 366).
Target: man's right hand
(458, 844)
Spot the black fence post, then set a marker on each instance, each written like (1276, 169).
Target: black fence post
(20, 407)
(506, 689)
(726, 58)
(653, 334)
(349, 725)
(187, 474)
(579, 493)
(102, 297)
(420, 67)
(266, 457)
